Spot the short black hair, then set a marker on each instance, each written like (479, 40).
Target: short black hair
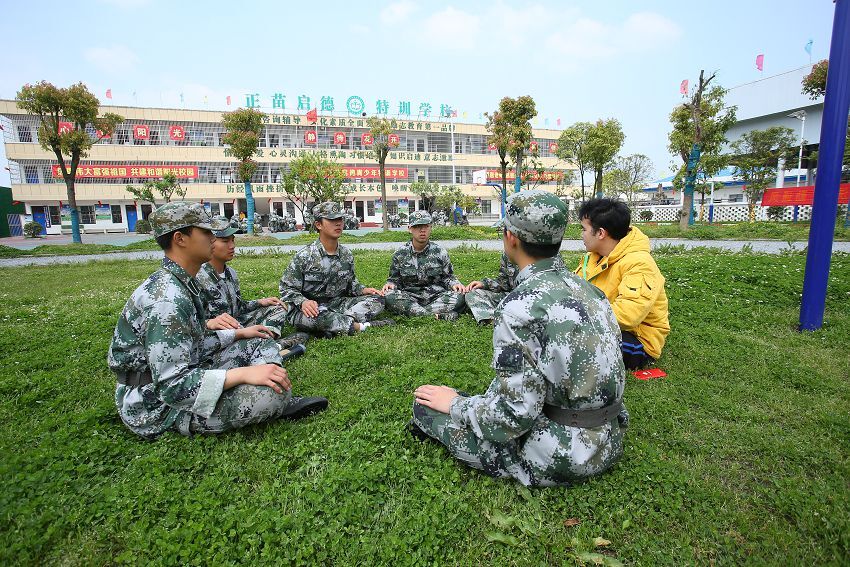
(539, 250)
(164, 241)
(612, 215)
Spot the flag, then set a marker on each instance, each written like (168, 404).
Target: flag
(454, 113)
(683, 87)
(808, 47)
(760, 61)
(558, 121)
(312, 115)
(228, 100)
(546, 121)
(181, 98)
(109, 93)
(205, 99)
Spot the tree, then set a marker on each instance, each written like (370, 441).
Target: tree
(510, 131)
(564, 186)
(426, 193)
(814, 84)
(166, 187)
(53, 106)
(312, 178)
(572, 146)
(604, 140)
(756, 157)
(628, 177)
(243, 128)
(699, 126)
(380, 129)
(450, 195)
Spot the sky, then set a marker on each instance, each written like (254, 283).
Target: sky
(579, 60)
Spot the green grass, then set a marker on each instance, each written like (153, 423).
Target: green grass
(740, 455)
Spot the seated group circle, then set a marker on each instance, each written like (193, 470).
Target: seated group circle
(191, 355)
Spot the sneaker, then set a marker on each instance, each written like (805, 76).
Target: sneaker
(485, 323)
(296, 338)
(302, 407)
(382, 323)
(450, 316)
(417, 433)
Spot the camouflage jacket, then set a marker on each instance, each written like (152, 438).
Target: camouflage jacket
(555, 341)
(162, 330)
(222, 294)
(506, 280)
(428, 272)
(315, 274)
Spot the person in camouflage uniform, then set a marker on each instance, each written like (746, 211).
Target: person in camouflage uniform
(422, 280)
(483, 296)
(173, 373)
(223, 297)
(321, 285)
(553, 415)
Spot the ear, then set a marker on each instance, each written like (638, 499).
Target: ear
(601, 234)
(178, 239)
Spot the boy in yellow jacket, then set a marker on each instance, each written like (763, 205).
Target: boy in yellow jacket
(619, 263)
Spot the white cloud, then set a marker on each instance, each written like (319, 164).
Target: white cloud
(451, 29)
(398, 12)
(113, 59)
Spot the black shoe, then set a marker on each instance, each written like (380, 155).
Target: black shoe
(297, 338)
(417, 433)
(450, 316)
(292, 352)
(382, 323)
(302, 407)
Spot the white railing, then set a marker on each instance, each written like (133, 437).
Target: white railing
(723, 212)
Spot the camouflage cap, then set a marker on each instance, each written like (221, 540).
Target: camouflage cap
(226, 232)
(536, 217)
(180, 214)
(328, 210)
(417, 218)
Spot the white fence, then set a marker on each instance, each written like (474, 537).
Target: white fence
(725, 212)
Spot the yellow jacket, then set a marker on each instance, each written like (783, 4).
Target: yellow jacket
(633, 284)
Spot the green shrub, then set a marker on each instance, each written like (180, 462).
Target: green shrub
(645, 215)
(32, 229)
(775, 212)
(143, 227)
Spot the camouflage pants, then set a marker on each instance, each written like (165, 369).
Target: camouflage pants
(338, 315)
(483, 303)
(273, 317)
(537, 458)
(416, 304)
(245, 404)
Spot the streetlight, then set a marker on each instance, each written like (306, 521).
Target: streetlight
(801, 116)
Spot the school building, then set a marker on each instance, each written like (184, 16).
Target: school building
(188, 143)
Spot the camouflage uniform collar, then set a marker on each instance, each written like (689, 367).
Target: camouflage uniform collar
(180, 274)
(413, 250)
(211, 271)
(545, 265)
(318, 246)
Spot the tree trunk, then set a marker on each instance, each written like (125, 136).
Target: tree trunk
(686, 214)
(384, 195)
(518, 180)
(249, 199)
(75, 213)
(504, 197)
(597, 183)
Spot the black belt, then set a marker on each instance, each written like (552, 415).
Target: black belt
(134, 379)
(587, 418)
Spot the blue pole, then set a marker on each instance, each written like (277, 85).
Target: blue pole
(796, 212)
(825, 204)
(710, 213)
(249, 198)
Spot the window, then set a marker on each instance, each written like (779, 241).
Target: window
(24, 134)
(458, 147)
(154, 141)
(121, 137)
(290, 208)
(277, 207)
(370, 208)
(146, 211)
(736, 198)
(420, 145)
(486, 206)
(31, 173)
(117, 217)
(458, 176)
(228, 210)
(274, 141)
(55, 218)
(87, 214)
(392, 207)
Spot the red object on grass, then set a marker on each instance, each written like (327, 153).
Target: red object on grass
(649, 374)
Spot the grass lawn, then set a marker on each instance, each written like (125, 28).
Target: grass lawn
(738, 231)
(740, 455)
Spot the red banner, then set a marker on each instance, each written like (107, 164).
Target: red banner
(141, 132)
(339, 138)
(65, 127)
(786, 196)
(310, 137)
(177, 133)
(553, 147)
(366, 138)
(393, 140)
(360, 172)
(496, 175)
(102, 171)
(533, 146)
(492, 147)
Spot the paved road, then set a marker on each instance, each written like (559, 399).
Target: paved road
(764, 246)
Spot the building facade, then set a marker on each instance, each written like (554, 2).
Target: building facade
(188, 143)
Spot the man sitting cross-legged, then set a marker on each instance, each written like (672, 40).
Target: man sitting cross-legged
(422, 280)
(173, 373)
(321, 285)
(554, 414)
